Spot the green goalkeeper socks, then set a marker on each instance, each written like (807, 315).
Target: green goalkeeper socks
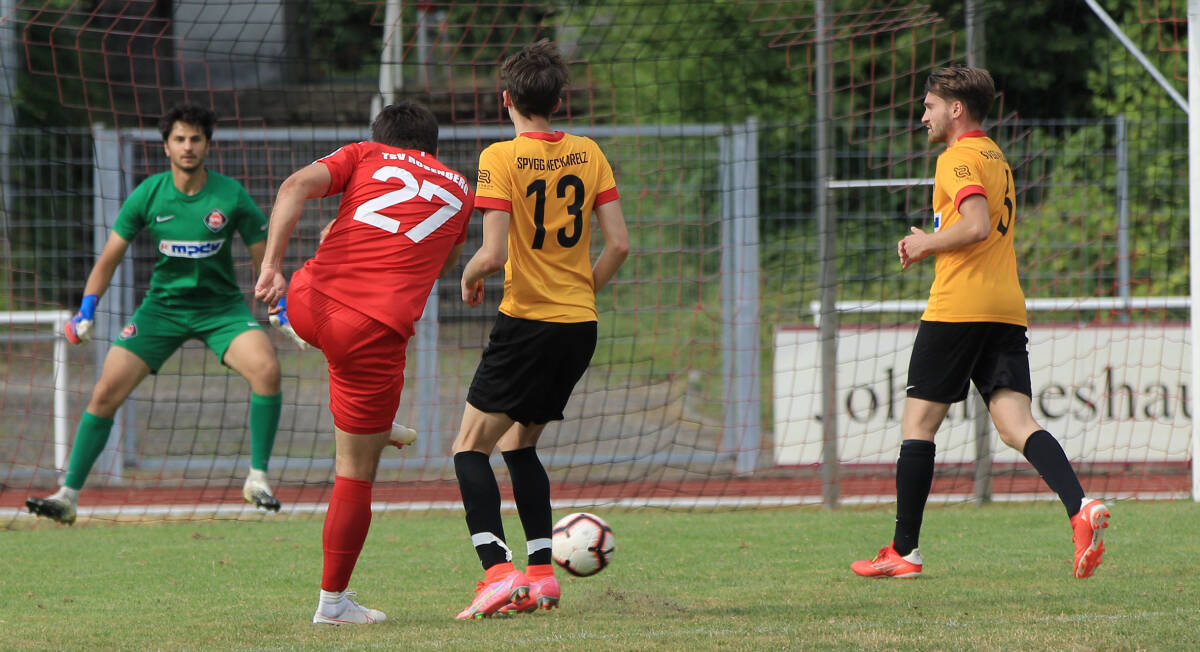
(90, 439)
(264, 422)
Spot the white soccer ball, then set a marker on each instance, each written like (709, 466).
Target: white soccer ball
(583, 544)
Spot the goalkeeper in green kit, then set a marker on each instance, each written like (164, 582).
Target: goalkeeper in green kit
(192, 214)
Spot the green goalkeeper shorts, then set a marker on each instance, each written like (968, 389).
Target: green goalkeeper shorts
(155, 331)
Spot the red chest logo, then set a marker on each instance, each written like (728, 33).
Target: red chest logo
(215, 220)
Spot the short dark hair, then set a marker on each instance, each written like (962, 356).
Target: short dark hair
(192, 114)
(407, 125)
(535, 78)
(971, 86)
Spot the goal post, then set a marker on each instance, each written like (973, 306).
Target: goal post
(120, 166)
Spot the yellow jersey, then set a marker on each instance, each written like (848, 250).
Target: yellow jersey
(977, 282)
(549, 184)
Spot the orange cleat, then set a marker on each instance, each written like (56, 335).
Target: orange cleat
(1088, 531)
(888, 563)
(489, 598)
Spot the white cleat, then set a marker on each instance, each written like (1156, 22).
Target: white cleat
(347, 612)
(257, 492)
(59, 506)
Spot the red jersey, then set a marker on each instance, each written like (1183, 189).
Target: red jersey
(401, 213)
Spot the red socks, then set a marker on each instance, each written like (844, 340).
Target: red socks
(498, 572)
(537, 572)
(346, 525)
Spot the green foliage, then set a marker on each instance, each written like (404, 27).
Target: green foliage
(59, 53)
(1080, 221)
(339, 38)
(51, 173)
(486, 34)
(755, 61)
(1040, 52)
(648, 54)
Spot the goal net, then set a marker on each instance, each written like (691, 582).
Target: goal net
(705, 387)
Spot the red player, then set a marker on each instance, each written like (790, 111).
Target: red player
(401, 224)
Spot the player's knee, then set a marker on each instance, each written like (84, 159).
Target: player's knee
(271, 374)
(107, 397)
(1015, 437)
(265, 376)
(462, 444)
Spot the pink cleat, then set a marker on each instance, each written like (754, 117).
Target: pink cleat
(489, 598)
(543, 594)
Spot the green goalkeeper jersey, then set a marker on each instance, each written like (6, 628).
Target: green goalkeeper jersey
(193, 235)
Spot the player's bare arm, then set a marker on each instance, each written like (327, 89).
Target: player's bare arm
(616, 243)
(106, 265)
(257, 250)
(306, 183)
(489, 259)
(973, 227)
(78, 329)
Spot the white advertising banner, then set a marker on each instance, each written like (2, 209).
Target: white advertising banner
(1108, 394)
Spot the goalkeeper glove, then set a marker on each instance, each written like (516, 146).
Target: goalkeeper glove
(280, 321)
(79, 329)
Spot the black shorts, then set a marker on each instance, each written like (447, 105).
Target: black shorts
(947, 356)
(530, 367)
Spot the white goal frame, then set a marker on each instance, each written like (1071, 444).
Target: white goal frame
(58, 320)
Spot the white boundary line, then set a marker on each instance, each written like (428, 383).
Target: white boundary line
(746, 502)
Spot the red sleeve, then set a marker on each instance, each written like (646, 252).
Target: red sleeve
(341, 165)
(607, 196)
(967, 191)
(493, 203)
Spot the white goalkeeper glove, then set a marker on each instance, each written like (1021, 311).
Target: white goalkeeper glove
(280, 321)
(79, 329)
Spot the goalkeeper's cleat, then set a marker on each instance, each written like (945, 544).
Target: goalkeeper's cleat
(60, 506)
(347, 612)
(489, 598)
(889, 563)
(543, 594)
(402, 436)
(257, 492)
(280, 321)
(1088, 532)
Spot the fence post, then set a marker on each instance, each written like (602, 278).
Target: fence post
(740, 295)
(427, 422)
(827, 257)
(1193, 59)
(983, 449)
(107, 186)
(1123, 274)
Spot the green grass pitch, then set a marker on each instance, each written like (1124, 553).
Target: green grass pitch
(996, 578)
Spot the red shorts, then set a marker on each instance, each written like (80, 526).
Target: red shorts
(366, 358)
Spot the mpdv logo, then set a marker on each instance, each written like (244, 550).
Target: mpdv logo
(190, 248)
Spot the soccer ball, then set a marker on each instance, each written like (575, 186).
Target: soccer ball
(583, 544)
